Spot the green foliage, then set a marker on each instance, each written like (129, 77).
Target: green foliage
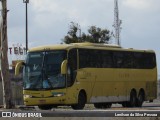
(95, 35)
(71, 37)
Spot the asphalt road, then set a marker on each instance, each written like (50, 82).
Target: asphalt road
(146, 106)
(150, 109)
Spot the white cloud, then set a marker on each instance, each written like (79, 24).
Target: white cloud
(44, 6)
(138, 4)
(84, 12)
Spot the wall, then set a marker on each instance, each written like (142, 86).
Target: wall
(17, 89)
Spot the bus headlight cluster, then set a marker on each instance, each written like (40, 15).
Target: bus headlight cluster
(58, 95)
(27, 96)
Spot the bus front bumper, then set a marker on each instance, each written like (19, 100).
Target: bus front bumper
(29, 101)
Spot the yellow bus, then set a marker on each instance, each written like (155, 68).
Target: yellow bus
(88, 73)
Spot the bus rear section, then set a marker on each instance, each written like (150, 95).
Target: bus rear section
(128, 77)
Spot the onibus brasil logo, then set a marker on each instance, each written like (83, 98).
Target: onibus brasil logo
(19, 114)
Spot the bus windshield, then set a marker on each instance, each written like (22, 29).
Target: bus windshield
(43, 70)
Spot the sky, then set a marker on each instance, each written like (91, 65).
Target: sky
(49, 21)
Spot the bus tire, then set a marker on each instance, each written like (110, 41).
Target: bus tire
(45, 107)
(133, 99)
(81, 101)
(140, 99)
(124, 104)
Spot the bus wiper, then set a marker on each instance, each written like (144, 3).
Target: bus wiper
(43, 71)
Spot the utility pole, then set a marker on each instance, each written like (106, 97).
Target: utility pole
(117, 23)
(26, 2)
(6, 81)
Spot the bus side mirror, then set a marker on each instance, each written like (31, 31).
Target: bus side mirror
(17, 68)
(64, 67)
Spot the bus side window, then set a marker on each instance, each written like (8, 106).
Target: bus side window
(128, 60)
(144, 60)
(107, 59)
(118, 59)
(148, 60)
(138, 61)
(72, 67)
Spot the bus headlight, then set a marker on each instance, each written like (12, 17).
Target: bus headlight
(58, 94)
(27, 96)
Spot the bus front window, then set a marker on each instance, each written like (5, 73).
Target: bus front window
(42, 70)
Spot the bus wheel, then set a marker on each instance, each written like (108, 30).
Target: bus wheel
(81, 102)
(133, 99)
(124, 104)
(140, 99)
(45, 107)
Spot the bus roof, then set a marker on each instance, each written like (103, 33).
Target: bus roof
(86, 45)
(50, 47)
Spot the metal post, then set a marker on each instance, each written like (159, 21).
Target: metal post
(26, 2)
(117, 22)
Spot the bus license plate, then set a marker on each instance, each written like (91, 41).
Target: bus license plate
(42, 101)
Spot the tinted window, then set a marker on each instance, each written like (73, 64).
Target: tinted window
(135, 60)
(144, 60)
(89, 58)
(123, 59)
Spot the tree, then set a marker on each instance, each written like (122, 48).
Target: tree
(95, 35)
(6, 83)
(71, 36)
